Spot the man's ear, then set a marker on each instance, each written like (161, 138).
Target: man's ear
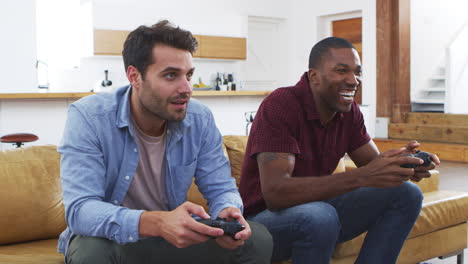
(134, 76)
(313, 75)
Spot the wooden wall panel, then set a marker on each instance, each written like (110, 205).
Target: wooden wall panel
(449, 152)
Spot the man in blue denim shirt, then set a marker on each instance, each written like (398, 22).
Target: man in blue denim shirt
(128, 160)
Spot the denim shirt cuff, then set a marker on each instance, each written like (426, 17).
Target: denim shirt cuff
(131, 223)
(219, 206)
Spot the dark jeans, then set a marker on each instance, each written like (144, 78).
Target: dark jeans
(308, 233)
(257, 249)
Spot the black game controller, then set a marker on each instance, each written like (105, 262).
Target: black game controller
(230, 228)
(421, 155)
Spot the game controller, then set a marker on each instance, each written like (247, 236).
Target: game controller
(421, 155)
(230, 228)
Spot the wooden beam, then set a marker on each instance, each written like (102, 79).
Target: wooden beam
(393, 59)
(401, 91)
(384, 58)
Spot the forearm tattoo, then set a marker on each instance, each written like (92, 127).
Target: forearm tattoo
(265, 157)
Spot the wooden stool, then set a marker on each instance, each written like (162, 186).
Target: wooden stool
(18, 139)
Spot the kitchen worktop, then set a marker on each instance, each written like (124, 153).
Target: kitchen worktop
(4, 96)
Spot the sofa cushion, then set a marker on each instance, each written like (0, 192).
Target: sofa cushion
(236, 146)
(37, 252)
(31, 194)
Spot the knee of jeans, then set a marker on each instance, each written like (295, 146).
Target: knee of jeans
(91, 250)
(319, 221)
(412, 194)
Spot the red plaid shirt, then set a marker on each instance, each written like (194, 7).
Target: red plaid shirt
(287, 121)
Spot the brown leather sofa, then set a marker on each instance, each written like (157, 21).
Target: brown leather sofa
(32, 213)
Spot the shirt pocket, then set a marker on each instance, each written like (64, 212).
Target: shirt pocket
(182, 176)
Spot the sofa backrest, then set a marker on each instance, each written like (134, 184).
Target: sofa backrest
(235, 147)
(30, 194)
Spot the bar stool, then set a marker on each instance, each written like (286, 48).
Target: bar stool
(18, 139)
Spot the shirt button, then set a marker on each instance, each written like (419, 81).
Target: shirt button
(127, 177)
(116, 202)
(135, 150)
(130, 238)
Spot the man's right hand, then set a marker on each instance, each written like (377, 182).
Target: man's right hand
(177, 226)
(385, 170)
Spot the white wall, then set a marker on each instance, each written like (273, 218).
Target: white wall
(304, 34)
(433, 27)
(209, 17)
(18, 46)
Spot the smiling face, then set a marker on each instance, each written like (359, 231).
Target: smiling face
(165, 90)
(335, 81)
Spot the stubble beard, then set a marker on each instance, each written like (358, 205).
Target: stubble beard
(160, 109)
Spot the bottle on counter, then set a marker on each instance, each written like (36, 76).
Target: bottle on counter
(224, 85)
(231, 84)
(218, 82)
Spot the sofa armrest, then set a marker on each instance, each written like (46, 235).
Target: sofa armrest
(430, 184)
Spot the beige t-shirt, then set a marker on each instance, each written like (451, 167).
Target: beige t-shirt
(147, 190)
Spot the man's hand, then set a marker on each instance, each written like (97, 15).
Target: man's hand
(421, 172)
(232, 213)
(177, 226)
(385, 170)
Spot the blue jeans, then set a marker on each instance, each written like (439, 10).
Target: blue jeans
(308, 233)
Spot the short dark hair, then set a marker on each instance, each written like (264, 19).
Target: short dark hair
(138, 47)
(322, 48)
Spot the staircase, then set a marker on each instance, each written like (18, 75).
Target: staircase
(447, 90)
(432, 98)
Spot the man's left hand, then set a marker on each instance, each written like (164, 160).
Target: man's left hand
(421, 172)
(233, 213)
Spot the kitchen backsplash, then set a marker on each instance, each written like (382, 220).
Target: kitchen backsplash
(90, 73)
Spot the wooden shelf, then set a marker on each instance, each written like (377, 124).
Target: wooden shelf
(80, 95)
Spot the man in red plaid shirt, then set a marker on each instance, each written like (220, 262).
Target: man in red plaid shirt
(297, 139)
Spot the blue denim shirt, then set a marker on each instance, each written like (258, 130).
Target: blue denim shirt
(100, 157)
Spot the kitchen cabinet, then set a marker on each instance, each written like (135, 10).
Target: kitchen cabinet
(215, 47)
(110, 42)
